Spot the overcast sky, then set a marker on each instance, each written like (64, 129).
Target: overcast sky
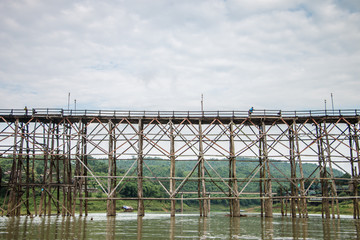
(162, 55)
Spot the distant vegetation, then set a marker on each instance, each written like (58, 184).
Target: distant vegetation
(161, 169)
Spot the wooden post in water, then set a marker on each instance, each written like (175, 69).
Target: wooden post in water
(68, 168)
(325, 210)
(84, 170)
(57, 169)
(333, 186)
(140, 160)
(261, 172)
(234, 203)
(182, 203)
(111, 203)
(13, 175)
(293, 186)
(172, 168)
(303, 204)
(33, 170)
(26, 137)
(77, 183)
(203, 203)
(353, 140)
(268, 188)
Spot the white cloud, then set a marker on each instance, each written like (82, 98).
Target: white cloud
(162, 56)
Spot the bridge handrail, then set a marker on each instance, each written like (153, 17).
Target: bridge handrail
(51, 112)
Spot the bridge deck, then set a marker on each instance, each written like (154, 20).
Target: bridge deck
(257, 116)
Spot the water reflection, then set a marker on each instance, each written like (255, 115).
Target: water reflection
(172, 228)
(162, 226)
(139, 227)
(234, 227)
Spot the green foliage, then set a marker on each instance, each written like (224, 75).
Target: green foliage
(160, 169)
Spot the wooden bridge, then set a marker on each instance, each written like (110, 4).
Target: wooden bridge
(66, 143)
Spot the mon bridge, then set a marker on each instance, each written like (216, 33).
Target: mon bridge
(214, 145)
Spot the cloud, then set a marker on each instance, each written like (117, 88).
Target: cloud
(162, 56)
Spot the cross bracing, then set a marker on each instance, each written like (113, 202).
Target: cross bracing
(202, 153)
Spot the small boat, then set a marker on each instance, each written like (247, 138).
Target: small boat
(127, 208)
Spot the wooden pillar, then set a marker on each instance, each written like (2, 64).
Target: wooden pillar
(140, 160)
(26, 136)
(268, 203)
(111, 203)
(77, 180)
(325, 211)
(261, 172)
(333, 185)
(68, 168)
(82, 184)
(353, 140)
(33, 171)
(46, 144)
(51, 164)
(58, 177)
(182, 203)
(293, 187)
(203, 203)
(84, 170)
(13, 174)
(303, 204)
(234, 203)
(172, 168)
(65, 166)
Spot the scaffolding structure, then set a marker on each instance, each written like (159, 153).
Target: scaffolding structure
(66, 143)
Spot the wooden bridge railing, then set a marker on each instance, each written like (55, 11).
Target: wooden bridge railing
(176, 114)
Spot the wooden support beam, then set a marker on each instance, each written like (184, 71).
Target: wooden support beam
(293, 187)
(234, 203)
(172, 168)
(325, 210)
(331, 172)
(204, 211)
(268, 203)
(303, 204)
(140, 160)
(111, 204)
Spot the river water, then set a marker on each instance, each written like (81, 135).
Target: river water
(183, 226)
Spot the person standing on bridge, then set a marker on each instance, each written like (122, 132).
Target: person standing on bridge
(251, 110)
